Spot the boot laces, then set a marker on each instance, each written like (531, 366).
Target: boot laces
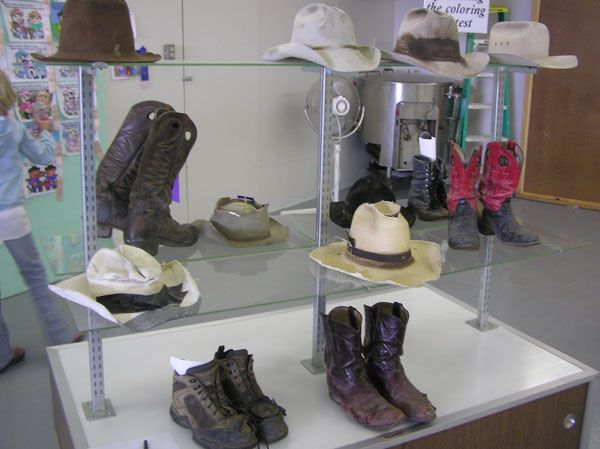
(212, 397)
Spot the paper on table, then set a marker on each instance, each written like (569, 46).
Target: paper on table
(160, 441)
(427, 147)
(181, 366)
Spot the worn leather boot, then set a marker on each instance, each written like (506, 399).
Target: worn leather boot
(424, 193)
(347, 378)
(200, 404)
(384, 338)
(501, 172)
(149, 222)
(118, 169)
(240, 385)
(462, 199)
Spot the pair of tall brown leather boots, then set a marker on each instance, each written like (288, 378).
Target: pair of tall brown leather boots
(136, 176)
(368, 380)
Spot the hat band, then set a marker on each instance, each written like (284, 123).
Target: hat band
(335, 47)
(380, 260)
(435, 49)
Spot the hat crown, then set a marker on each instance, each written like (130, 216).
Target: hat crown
(529, 39)
(380, 228)
(241, 221)
(318, 25)
(423, 23)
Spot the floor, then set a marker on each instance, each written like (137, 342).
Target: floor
(554, 299)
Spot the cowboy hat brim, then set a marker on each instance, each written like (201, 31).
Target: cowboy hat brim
(359, 59)
(88, 57)
(76, 290)
(551, 62)
(471, 65)
(277, 233)
(426, 266)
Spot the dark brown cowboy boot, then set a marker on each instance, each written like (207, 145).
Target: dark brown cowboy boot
(118, 169)
(200, 404)
(149, 222)
(347, 378)
(242, 389)
(384, 337)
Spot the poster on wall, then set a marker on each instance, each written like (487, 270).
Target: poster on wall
(70, 140)
(68, 101)
(471, 15)
(26, 21)
(21, 66)
(40, 180)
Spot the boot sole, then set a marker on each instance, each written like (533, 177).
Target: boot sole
(365, 425)
(185, 422)
(487, 230)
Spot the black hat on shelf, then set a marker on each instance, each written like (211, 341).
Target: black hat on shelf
(368, 189)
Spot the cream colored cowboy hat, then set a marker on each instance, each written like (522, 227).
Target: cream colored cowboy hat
(130, 270)
(525, 43)
(429, 39)
(325, 35)
(379, 249)
(242, 222)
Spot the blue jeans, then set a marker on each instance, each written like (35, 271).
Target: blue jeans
(55, 327)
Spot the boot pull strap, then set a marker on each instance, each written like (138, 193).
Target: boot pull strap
(352, 318)
(396, 309)
(220, 353)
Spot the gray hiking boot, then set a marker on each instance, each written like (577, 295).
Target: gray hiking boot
(200, 404)
(240, 386)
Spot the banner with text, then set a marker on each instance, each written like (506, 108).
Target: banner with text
(471, 15)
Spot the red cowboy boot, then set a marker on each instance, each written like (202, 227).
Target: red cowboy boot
(462, 199)
(384, 340)
(501, 172)
(347, 378)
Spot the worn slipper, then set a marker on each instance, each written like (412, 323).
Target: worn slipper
(18, 355)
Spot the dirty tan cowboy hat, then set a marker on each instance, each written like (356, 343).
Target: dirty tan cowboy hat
(96, 31)
(130, 270)
(525, 43)
(242, 222)
(325, 35)
(429, 39)
(379, 249)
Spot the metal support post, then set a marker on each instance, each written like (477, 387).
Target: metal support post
(99, 407)
(482, 321)
(316, 364)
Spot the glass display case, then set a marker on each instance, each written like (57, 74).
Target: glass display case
(269, 300)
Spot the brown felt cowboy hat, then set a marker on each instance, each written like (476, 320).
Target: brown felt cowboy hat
(429, 39)
(96, 31)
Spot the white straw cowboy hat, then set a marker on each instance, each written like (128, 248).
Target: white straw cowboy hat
(325, 35)
(379, 249)
(525, 43)
(128, 270)
(429, 39)
(242, 222)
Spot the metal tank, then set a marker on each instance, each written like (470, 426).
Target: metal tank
(398, 108)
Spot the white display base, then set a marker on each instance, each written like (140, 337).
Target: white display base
(467, 374)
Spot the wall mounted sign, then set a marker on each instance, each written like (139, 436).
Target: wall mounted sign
(471, 15)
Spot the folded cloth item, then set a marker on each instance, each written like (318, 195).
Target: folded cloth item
(127, 302)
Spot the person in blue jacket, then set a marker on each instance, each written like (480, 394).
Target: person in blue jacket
(15, 229)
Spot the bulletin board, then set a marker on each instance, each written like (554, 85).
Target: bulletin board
(562, 110)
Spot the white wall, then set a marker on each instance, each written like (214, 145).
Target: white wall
(252, 135)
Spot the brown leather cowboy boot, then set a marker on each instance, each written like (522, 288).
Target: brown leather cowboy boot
(384, 337)
(118, 169)
(347, 378)
(149, 222)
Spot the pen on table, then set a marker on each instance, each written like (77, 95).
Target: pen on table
(145, 444)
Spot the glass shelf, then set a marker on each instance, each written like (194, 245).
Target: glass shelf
(256, 63)
(241, 282)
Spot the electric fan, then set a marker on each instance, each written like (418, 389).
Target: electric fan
(348, 114)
